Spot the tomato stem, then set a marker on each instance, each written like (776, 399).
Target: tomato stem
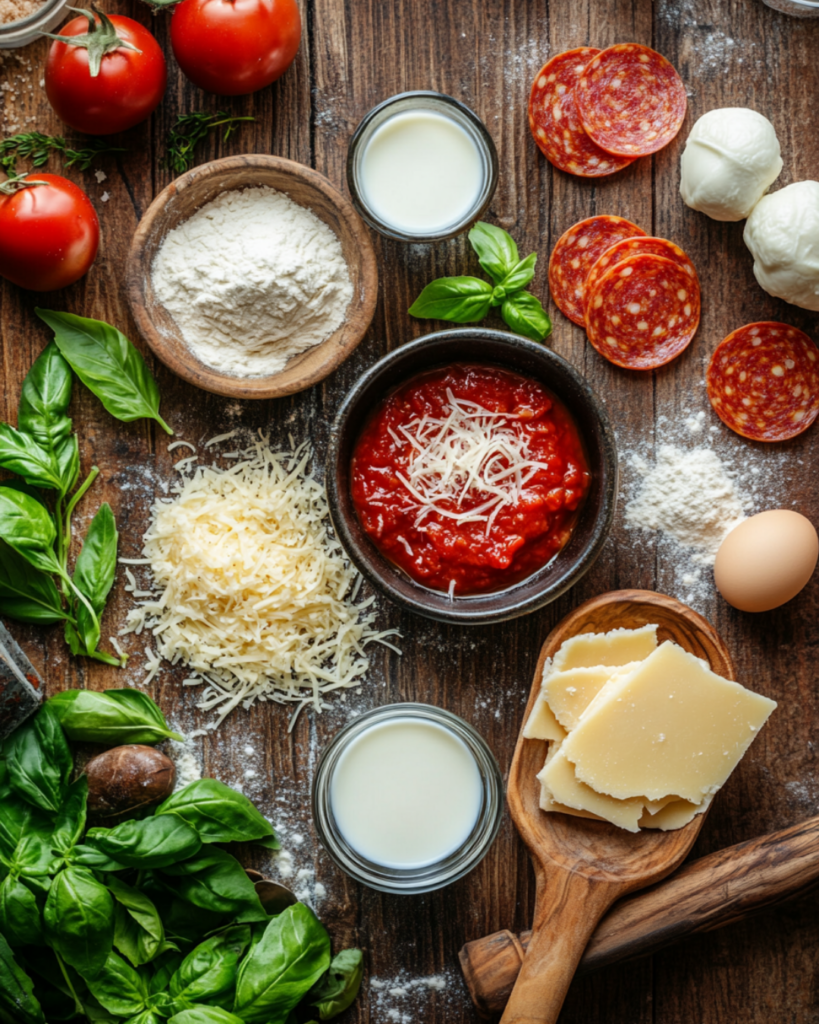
(99, 40)
(17, 183)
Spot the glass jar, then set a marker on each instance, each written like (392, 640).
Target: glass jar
(25, 30)
(452, 110)
(796, 8)
(427, 877)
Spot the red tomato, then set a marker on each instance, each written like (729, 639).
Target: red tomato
(233, 47)
(49, 234)
(129, 82)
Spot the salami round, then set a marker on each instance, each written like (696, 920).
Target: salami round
(555, 124)
(577, 250)
(763, 381)
(643, 312)
(630, 100)
(635, 247)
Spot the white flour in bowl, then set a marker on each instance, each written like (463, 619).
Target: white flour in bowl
(251, 280)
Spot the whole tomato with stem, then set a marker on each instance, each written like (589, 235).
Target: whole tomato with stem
(234, 47)
(49, 232)
(105, 73)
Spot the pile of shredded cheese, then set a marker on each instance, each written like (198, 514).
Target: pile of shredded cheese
(251, 591)
(472, 453)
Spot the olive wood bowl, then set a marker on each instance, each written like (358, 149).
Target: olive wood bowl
(192, 190)
(583, 866)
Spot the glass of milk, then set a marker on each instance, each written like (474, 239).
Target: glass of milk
(407, 798)
(421, 167)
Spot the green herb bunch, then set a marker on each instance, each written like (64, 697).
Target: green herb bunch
(190, 130)
(37, 147)
(35, 531)
(151, 920)
(465, 300)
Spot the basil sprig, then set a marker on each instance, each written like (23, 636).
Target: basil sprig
(465, 300)
(35, 533)
(149, 921)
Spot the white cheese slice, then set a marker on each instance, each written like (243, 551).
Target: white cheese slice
(674, 815)
(618, 647)
(669, 727)
(547, 800)
(569, 693)
(559, 776)
(542, 724)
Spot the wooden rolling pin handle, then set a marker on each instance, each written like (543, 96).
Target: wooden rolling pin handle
(708, 893)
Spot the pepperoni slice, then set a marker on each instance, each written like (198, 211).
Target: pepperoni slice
(555, 124)
(634, 247)
(763, 381)
(630, 100)
(577, 250)
(643, 312)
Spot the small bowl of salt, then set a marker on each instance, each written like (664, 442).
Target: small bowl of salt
(252, 277)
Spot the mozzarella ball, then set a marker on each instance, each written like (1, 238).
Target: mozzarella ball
(730, 160)
(783, 236)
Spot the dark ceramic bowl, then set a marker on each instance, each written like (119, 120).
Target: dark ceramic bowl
(511, 352)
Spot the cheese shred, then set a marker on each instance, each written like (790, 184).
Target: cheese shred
(252, 593)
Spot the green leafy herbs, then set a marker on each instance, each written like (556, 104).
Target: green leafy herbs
(465, 300)
(190, 130)
(142, 924)
(37, 147)
(36, 510)
(111, 716)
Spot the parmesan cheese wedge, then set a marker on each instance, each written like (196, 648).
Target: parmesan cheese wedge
(559, 777)
(670, 726)
(547, 800)
(542, 724)
(618, 647)
(674, 815)
(569, 693)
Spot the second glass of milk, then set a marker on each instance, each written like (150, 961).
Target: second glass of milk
(421, 167)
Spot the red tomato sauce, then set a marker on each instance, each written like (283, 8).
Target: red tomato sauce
(469, 478)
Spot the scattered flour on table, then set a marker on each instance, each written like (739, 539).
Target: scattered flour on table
(187, 759)
(402, 999)
(252, 279)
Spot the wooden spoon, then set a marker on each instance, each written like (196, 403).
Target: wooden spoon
(582, 866)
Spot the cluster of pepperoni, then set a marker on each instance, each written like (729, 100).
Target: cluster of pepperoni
(593, 112)
(638, 297)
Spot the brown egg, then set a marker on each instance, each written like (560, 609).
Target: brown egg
(127, 779)
(766, 560)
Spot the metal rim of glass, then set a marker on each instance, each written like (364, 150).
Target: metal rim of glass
(411, 881)
(462, 115)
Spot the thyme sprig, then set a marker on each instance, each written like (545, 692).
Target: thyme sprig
(190, 130)
(37, 147)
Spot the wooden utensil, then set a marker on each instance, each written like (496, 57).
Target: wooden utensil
(583, 866)
(730, 885)
(201, 185)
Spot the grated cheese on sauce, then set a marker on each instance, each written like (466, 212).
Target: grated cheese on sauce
(252, 592)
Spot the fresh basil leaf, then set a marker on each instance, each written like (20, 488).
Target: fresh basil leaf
(87, 855)
(162, 1003)
(217, 813)
(26, 526)
(138, 931)
(150, 843)
(525, 315)
(496, 249)
(186, 923)
(94, 572)
(33, 857)
(39, 761)
(19, 914)
(215, 881)
(519, 276)
(339, 987)
(70, 821)
(210, 971)
(45, 397)
(146, 1017)
(268, 842)
(200, 1014)
(26, 594)
(21, 454)
(164, 968)
(108, 364)
(18, 1004)
(293, 954)
(19, 818)
(112, 716)
(118, 987)
(68, 463)
(79, 920)
(205, 1015)
(462, 300)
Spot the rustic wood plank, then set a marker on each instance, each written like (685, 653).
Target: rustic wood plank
(353, 55)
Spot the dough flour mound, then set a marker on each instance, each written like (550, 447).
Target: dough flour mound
(252, 279)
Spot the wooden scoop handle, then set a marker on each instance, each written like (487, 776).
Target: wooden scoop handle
(706, 894)
(567, 910)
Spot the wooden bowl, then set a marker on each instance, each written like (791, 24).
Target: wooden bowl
(201, 185)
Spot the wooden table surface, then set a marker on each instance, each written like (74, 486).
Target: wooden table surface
(486, 53)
